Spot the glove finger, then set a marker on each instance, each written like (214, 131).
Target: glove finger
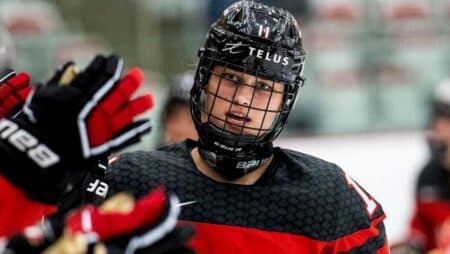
(121, 208)
(37, 107)
(151, 234)
(102, 73)
(131, 110)
(6, 74)
(45, 95)
(128, 136)
(102, 126)
(122, 92)
(20, 81)
(23, 93)
(15, 83)
(15, 99)
(131, 134)
(10, 103)
(5, 91)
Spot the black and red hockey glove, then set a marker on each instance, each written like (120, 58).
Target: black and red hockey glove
(14, 89)
(119, 225)
(148, 225)
(63, 128)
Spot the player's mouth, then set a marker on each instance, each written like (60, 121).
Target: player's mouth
(236, 121)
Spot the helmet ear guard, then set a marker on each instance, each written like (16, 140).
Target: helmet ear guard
(257, 40)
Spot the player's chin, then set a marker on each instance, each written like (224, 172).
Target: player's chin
(235, 129)
(241, 129)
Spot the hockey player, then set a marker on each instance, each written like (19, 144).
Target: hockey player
(430, 225)
(176, 118)
(243, 194)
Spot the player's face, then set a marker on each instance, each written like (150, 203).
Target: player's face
(440, 129)
(242, 103)
(440, 132)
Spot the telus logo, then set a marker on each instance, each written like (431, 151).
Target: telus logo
(239, 47)
(261, 54)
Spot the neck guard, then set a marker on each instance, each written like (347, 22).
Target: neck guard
(232, 155)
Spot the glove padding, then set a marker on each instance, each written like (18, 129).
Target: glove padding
(67, 128)
(14, 89)
(119, 225)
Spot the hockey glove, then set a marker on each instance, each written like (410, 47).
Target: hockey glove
(65, 128)
(119, 225)
(14, 89)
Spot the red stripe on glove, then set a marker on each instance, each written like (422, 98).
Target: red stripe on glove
(116, 111)
(106, 225)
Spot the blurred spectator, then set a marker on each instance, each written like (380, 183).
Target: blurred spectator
(430, 225)
(30, 18)
(177, 120)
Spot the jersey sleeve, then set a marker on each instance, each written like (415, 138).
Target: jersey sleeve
(18, 211)
(420, 232)
(369, 240)
(359, 220)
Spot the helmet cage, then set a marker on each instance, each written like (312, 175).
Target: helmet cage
(248, 39)
(203, 117)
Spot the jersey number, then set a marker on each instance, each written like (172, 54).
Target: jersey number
(263, 31)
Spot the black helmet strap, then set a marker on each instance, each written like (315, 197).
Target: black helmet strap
(232, 162)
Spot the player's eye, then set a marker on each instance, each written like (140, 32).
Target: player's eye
(231, 77)
(263, 86)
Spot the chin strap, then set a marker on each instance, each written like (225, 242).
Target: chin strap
(231, 164)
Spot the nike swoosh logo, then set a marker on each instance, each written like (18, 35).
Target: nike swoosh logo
(186, 203)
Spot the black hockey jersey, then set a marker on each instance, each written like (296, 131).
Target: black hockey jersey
(432, 207)
(301, 204)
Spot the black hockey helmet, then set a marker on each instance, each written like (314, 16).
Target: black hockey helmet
(438, 138)
(441, 100)
(255, 39)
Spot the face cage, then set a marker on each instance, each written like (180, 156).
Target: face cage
(203, 116)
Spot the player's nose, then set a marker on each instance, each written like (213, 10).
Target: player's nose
(244, 95)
